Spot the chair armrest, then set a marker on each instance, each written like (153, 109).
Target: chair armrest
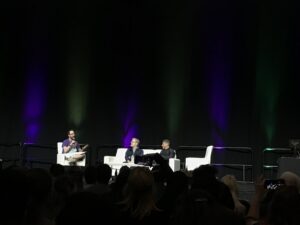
(60, 159)
(174, 164)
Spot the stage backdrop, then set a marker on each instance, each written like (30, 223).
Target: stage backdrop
(197, 72)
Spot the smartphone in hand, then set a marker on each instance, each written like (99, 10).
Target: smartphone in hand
(273, 184)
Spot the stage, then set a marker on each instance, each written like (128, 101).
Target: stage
(237, 161)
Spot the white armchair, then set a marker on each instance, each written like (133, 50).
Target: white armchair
(119, 158)
(61, 157)
(192, 163)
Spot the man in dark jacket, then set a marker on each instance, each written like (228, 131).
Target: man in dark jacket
(133, 151)
(166, 151)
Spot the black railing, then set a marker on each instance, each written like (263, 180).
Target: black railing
(225, 158)
(237, 158)
(10, 152)
(270, 159)
(243, 160)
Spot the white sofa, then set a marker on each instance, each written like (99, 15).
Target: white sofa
(61, 157)
(116, 162)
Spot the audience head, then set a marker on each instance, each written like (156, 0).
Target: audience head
(90, 175)
(57, 170)
(40, 184)
(64, 185)
(140, 180)
(291, 179)
(123, 175)
(161, 171)
(177, 183)
(139, 192)
(198, 207)
(83, 208)
(284, 207)
(103, 173)
(204, 176)
(14, 195)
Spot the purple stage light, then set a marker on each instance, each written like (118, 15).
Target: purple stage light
(130, 128)
(219, 70)
(34, 103)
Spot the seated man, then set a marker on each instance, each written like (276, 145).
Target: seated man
(71, 146)
(166, 151)
(133, 151)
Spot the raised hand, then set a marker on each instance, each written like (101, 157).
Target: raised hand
(73, 143)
